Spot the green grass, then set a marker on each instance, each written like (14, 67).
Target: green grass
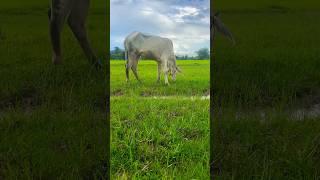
(193, 81)
(260, 83)
(160, 138)
(52, 118)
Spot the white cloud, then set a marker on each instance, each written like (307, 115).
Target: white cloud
(186, 24)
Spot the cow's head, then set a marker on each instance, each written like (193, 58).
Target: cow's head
(174, 72)
(173, 68)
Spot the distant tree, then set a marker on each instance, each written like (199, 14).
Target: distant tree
(117, 50)
(203, 53)
(117, 53)
(184, 57)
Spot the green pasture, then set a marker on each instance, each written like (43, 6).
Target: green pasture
(160, 138)
(193, 81)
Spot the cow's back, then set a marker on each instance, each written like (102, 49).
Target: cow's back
(147, 45)
(158, 46)
(134, 41)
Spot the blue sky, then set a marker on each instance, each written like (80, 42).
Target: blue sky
(185, 22)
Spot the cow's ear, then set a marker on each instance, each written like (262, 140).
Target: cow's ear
(217, 14)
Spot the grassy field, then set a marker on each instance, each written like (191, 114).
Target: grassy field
(52, 119)
(193, 81)
(267, 91)
(160, 138)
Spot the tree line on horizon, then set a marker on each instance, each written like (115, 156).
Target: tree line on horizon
(203, 53)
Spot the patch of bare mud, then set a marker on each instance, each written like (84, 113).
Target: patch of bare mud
(117, 92)
(189, 134)
(146, 93)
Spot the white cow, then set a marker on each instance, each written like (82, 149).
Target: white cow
(156, 48)
(75, 13)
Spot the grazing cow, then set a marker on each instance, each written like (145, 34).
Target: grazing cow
(217, 25)
(75, 13)
(156, 48)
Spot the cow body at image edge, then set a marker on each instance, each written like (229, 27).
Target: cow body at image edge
(75, 13)
(160, 49)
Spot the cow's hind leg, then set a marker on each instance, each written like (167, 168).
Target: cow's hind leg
(76, 22)
(58, 13)
(127, 70)
(130, 62)
(134, 67)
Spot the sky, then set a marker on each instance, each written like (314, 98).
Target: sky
(185, 22)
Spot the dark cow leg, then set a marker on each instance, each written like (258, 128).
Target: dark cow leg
(127, 71)
(76, 22)
(127, 65)
(57, 14)
(56, 23)
(55, 40)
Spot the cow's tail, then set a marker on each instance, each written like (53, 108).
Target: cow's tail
(126, 53)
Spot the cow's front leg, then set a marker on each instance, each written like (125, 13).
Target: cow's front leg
(166, 72)
(56, 24)
(166, 78)
(159, 72)
(58, 12)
